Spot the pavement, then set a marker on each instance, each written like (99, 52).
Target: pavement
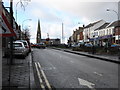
(19, 75)
(109, 58)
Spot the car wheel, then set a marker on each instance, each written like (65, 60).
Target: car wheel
(23, 56)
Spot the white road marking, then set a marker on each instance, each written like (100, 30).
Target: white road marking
(98, 74)
(60, 56)
(46, 81)
(40, 80)
(52, 66)
(48, 68)
(71, 61)
(86, 83)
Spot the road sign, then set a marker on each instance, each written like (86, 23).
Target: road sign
(6, 28)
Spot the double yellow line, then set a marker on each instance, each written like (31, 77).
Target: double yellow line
(40, 74)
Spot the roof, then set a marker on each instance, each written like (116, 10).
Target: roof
(92, 24)
(103, 26)
(116, 23)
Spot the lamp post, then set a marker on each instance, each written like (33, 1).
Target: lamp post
(23, 23)
(117, 19)
(117, 26)
(16, 7)
(62, 33)
(114, 12)
(16, 10)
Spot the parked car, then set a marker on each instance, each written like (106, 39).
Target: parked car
(41, 45)
(18, 49)
(75, 45)
(33, 45)
(81, 44)
(88, 45)
(115, 45)
(27, 46)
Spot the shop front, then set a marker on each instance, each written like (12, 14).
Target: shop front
(106, 40)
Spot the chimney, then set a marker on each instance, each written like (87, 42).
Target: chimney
(83, 25)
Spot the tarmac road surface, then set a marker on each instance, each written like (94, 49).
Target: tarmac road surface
(67, 70)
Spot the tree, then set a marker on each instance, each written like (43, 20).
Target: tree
(26, 33)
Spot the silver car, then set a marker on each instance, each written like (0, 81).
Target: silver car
(25, 44)
(19, 49)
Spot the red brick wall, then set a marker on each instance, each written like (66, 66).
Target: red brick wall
(81, 35)
(117, 31)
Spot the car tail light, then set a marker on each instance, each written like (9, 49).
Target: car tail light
(26, 47)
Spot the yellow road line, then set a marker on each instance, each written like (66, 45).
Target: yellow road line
(40, 80)
(46, 81)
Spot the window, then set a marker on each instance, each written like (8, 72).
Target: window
(17, 44)
(107, 31)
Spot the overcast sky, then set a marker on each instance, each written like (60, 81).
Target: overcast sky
(52, 13)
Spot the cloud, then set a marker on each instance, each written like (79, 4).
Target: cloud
(70, 15)
(52, 13)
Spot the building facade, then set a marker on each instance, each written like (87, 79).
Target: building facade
(107, 34)
(88, 31)
(98, 33)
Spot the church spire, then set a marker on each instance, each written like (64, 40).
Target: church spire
(38, 38)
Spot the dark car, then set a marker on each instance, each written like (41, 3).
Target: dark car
(41, 45)
(88, 45)
(33, 45)
(115, 45)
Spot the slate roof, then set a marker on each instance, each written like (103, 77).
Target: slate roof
(116, 23)
(103, 26)
(92, 24)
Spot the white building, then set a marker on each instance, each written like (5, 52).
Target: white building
(88, 32)
(100, 34)
(106, 34)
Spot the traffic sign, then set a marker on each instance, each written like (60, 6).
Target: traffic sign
(6, 28)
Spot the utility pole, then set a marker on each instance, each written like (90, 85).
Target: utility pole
(118, 28)
(62, 33)
(11, 42)
(47, 35)
(11, 38)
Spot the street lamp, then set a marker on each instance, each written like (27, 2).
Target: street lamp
(117, 26)
(16, 8)
(114, 12)
(117, 19)
(62, 33)
(23, 23)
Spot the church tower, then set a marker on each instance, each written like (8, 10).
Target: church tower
(38, 38)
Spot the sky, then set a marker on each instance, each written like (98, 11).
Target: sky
(52, 13)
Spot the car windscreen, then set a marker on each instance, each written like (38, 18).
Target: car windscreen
(17, 44)
(25, 43)
(41, 43)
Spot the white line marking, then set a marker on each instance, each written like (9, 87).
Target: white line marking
(52, 66)
(71, 61)
(86, 83)
(47, 83)
(60, 56)
(97, 73)
(40, 80)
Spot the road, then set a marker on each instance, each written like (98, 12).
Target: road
(67, 70)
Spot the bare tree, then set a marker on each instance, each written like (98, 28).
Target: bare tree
(27, 33)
